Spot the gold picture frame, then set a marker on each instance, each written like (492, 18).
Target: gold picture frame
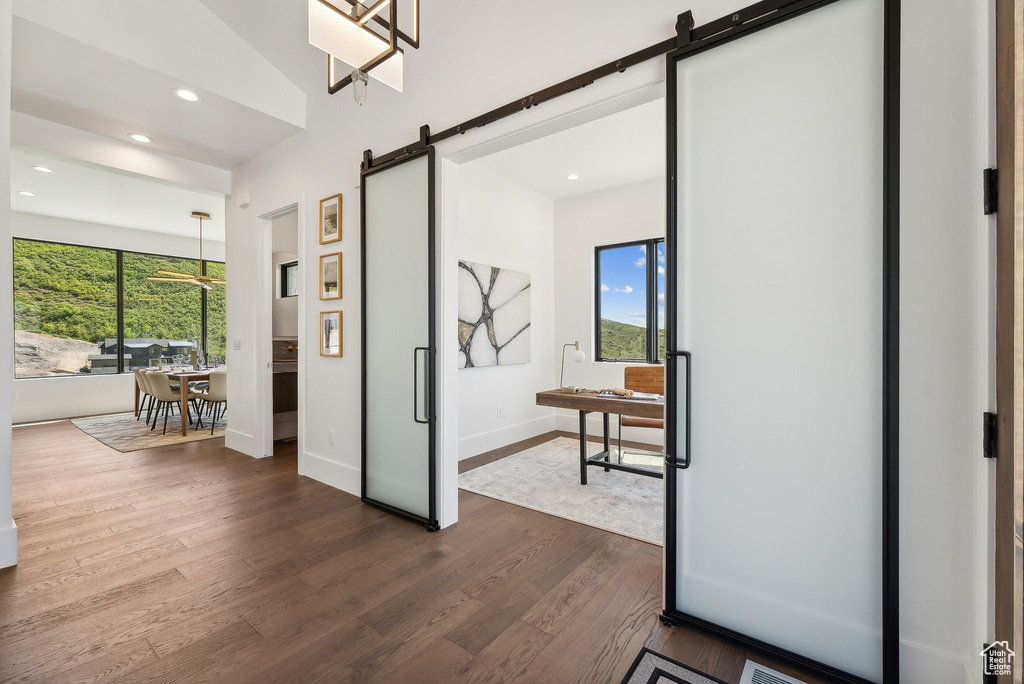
(331, 333)
(330, 219)
(330, 283)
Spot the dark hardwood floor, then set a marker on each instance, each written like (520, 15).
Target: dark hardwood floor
(196, 563)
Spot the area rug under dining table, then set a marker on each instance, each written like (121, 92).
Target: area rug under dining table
(123, 432)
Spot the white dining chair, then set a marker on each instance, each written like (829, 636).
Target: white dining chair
(216, 396)
(144, 395)
(167, 397)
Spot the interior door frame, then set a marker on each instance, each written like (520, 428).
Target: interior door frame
(1009, 334)
(369, 168)
(746, 22)
(264, 325)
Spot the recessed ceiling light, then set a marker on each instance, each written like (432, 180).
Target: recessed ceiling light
(26, 193)
(572, 176)
(138, 137)
(42, 169)
(186, 95)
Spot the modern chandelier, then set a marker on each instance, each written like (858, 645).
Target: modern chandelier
(364, 40)
(203, 281)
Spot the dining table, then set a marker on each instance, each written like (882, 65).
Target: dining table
(183, 377)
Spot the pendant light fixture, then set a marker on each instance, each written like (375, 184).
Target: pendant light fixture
(203, 281)
(362, 38)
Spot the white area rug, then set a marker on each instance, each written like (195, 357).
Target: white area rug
(546, 478)
(122, 432)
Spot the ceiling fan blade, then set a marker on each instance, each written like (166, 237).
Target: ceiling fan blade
(169, 280)
(176, 274)
(219, 282)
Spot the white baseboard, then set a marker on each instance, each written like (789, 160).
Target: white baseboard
(919, 663)
(484, 442)
(286, 430)
(571, 423)
(242, 442)
(9, 545)
(337, 475)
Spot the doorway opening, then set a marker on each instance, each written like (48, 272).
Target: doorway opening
(561, 277)
(287, 274)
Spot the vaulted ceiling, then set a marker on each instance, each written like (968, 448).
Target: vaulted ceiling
(112, 68)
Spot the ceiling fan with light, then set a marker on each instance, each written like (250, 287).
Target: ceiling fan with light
(203, 281)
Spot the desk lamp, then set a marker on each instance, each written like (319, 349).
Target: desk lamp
(578, 356)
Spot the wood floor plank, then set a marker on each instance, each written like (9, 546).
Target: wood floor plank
(193, 563)
(561, 604)
(506, 657)
(625, 610)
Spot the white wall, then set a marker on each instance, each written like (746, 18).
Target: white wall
(503, 223)
(39, 399)
(630, 212)
(8, 530)
(947, 334)
(285, 246)
(286, 309)
(946, 325)
(39, 227)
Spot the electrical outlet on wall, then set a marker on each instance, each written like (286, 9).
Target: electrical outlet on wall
(238, 344)
(501, 411)
(330, 437)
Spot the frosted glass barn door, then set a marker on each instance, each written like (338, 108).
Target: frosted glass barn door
(778, 258)
(398, 337)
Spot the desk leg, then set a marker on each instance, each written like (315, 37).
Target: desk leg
(183, 390)
(607, 452)
(583, 447)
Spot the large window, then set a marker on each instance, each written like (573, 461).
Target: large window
(158, 315)
(216, 313)
(630, 301)
(66, 310)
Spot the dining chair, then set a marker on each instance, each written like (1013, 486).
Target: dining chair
(144, 396)
(145, 386)
(167, 397)
(642, 379)
(216, 396)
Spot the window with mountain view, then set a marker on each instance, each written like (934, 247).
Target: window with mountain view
(66, 310)
(161, 319)
(630, 301)
(216, 314)
(65, 306)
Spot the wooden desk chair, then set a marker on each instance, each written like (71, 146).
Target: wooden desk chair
(642, 379)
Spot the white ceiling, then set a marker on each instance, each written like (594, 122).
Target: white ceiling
(86, 192)
(112, 68)
(623, 148)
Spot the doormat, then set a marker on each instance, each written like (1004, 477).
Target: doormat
(653, 668)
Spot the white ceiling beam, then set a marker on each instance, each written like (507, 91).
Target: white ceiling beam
(47, 136)
(182, 39)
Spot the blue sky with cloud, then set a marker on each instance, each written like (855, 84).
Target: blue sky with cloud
(624, 284)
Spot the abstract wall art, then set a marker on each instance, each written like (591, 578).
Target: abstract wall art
(494, 316)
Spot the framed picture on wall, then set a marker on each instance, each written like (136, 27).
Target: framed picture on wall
(330, 219)
(330, 333)
(330, 276)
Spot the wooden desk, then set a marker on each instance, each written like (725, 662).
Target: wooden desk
(590, 402)
(183, 378)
